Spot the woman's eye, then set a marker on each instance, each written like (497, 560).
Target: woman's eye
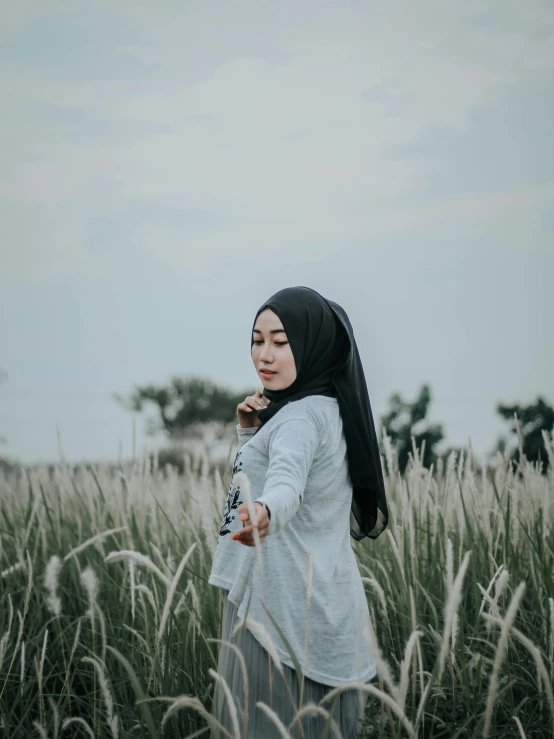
(277, 343)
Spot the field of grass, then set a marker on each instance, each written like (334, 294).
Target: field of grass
(107, 622)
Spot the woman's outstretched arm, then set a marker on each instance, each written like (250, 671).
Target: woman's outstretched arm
(292, 446)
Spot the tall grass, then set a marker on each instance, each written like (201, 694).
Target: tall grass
(108, 627)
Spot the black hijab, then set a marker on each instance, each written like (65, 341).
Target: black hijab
(328, 363)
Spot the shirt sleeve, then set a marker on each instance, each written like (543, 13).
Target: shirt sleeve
(245, 434)
(292, 446)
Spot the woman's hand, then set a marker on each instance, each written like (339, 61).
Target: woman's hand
(247, 411)
(261, 522)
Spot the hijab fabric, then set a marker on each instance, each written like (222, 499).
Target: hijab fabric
(328, 363)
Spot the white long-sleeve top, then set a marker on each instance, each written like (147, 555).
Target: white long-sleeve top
(297, 465)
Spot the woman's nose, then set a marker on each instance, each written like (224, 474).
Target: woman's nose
(265, 353)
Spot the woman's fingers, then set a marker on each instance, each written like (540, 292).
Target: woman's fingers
(251, 406)
(248, 530)
(260, 393)
(261, 523)
(246, 534)
(254, 405)
(247, 410)
(253, 402)
(243, 511)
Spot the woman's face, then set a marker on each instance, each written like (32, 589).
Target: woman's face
(271, 350)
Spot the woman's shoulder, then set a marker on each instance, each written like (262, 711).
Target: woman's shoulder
(319, 412)
(318, 409)
(317, 403)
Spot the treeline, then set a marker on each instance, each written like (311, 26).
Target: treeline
(185, 404)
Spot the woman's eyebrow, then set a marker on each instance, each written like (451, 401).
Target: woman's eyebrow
(273, 331)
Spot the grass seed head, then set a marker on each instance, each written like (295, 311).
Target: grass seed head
(90, 583)
(51, 582)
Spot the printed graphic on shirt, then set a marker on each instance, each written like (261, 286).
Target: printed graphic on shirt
(233, 501)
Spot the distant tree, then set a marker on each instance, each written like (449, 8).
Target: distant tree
(533, 420)
(3, 378)
(184, 405)
(405, 420)
(6, 463)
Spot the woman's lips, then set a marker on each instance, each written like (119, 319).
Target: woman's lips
(267, 375)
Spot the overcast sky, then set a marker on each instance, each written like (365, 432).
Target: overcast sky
(168, 166)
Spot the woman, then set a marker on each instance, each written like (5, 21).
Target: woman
(313, 466)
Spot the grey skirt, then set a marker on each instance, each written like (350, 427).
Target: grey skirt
(280, 692)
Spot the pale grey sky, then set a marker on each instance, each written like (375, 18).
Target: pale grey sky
(166, 167)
